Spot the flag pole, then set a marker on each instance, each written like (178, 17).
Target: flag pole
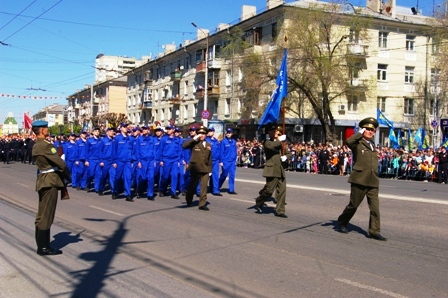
(283, 109)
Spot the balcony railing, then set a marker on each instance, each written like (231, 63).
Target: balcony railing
(358, 49)
(200, 67)
(213, 91)
(146, 105)
(176, 75)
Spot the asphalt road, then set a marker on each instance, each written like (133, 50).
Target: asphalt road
(162, 249)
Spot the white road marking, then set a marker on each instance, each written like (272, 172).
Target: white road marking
(330, 190)
(107, 211)
(366, 287)
(24, 185)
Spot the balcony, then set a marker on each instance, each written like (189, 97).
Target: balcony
(357, 85)
(96, 100)
(175, 100)
(358, 50)
(146, 105)
(409, 88)
(77, 106)
(213, 92)
(215, 63)
(200, 67)
(199, 94)
(176, 75)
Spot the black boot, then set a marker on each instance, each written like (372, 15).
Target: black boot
(43, 244)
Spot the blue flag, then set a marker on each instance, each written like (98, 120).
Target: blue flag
(272, 111)
(400, 139)
(393, 139)
(383, 120)
(418, 138)
(410, 140)
(356, 127)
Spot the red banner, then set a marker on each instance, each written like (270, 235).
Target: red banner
(27, 121)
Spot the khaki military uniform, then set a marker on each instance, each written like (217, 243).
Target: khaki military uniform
(364, 182)
(275, 176)
(50, 179)
(200, 166)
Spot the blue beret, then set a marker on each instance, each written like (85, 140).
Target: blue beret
(96, 128)
(123, 125)
(110, 128)
(177, 129)
(229, 130)
(193, 128)
(145, 127)
(40, 123)
(211, 129)
(83, 132)
(169, 127)
(159, 128)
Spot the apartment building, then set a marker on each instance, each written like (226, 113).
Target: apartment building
(396, 61)
(113, 67)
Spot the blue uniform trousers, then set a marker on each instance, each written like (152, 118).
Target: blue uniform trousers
(94, 173)
(169, 173)
(81, 175)
(123, 174)
(106, 172)
(214, 180)
(228, 169)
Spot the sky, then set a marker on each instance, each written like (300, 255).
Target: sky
(48, 47)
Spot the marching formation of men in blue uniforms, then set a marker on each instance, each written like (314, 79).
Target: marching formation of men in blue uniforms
(137, 162)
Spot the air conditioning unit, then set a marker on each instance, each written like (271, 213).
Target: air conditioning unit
(341, 108)
(298, 128)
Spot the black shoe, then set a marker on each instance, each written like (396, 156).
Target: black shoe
(100, 193)
(259, 209)
(129, 199)
(175, 197)
(84, 189)
(343, 229)
(232, 193)
(183, 193)
(217, 194)
(189, 204)
(151, 198)
(139, 196)
(114, 196)
(283, 215)
(161, 194)
(78, 188)
(45, 251)
(377, 237)
(204, 208)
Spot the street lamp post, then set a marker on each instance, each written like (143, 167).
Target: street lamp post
(205, 120)
(91, 108)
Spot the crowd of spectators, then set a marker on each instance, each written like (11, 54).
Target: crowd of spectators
(308, 157)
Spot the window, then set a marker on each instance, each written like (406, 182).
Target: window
(354, 71)
(352, 103)
(228, 78)
(381, 104)
(408, 106)
(382, 72)
(410, 41)
(435, 45)
(434, 75)
(382, 39)
(227, 107)
(354, 36)
(253, 37)
(409, 75)
(274, 30)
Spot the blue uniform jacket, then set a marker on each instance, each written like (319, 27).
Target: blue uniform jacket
(228, 150)
(123, 148)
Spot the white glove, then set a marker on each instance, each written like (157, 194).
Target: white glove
(283, 158)
(362, 130)
(196, 137)
(282, 138)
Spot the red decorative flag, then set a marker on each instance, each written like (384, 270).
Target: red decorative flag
(27, 121)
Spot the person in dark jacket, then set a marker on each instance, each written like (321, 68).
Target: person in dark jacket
(200, 166)
(364, 178)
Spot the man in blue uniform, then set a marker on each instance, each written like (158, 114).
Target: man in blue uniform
(157, 140)
(216, 160)
(169, 163)
(123, 150)
(93, 160)
(81, 176)
(186, 155)
(71, 154)
(228, 154)
(106, 161)
(181, 168)
(144, 152)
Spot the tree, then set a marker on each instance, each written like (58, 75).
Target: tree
(114, 119)
(319, 67)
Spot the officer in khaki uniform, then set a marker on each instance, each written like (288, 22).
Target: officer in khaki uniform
(52, 171)
(273, 171)
(200, 166)
(364, 178)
